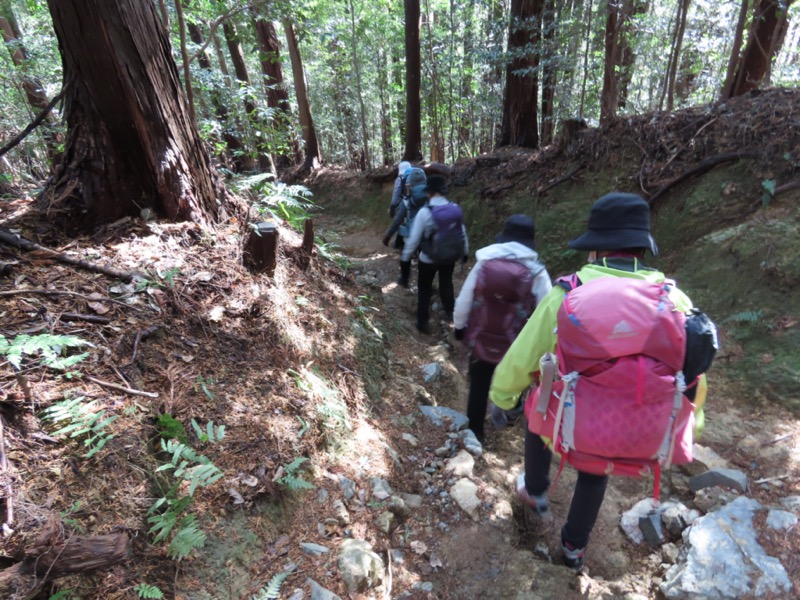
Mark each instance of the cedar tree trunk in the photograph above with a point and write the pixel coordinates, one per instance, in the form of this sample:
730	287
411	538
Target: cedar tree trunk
413	151
131	143
313	154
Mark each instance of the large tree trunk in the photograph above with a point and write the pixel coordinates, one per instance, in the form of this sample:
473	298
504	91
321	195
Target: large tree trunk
520	127
625	53
761	45
675	55
34	91
733	60
130	142
413	151
313	154
365	157
608	97
549	71
277	96
466	106
387	150
588	40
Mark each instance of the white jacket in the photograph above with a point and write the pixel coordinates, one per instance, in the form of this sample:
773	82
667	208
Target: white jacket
529	257
423	226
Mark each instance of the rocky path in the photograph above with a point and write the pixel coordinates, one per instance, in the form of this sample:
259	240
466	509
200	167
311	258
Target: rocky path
479	545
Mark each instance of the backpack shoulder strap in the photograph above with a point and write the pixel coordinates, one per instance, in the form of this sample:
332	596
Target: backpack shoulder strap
569	282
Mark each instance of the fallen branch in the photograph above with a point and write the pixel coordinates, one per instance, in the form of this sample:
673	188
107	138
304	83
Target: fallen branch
121	388
59	292
20	242
79	554
9	490
564	179
33	124
69	316
704	166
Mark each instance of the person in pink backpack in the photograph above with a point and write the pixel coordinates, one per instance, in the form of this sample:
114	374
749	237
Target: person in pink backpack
607	349
496	300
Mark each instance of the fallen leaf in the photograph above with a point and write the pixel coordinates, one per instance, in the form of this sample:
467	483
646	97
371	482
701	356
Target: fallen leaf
216	313
248	479
237	497
436	562
418	547
99	307
187	358
203	276
94	297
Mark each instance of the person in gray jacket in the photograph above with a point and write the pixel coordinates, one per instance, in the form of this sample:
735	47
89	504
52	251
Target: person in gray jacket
489	310
422	236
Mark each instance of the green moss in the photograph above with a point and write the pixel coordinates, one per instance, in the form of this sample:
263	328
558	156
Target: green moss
170	428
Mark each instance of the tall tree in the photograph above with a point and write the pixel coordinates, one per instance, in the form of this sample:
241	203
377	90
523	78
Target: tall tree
588	39
761	46
609	97
131	143
34	91
736	49
675	54
625	53
549	71
365	159
277	96
313	154
521	93
413	150
466	106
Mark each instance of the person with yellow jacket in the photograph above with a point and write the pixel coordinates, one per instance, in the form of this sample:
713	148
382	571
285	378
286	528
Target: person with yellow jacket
617	238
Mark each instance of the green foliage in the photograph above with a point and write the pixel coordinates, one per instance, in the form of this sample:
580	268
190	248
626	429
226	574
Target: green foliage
50	350
291	203
750	316
204	384
768	191
273	589
291	479
166	515
170	428
148	591
80	420
62	595
71	522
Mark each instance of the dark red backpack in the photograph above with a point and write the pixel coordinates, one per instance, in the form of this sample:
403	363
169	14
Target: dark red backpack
502	303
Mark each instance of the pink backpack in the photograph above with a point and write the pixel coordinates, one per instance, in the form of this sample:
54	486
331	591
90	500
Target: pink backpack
617	405
503	302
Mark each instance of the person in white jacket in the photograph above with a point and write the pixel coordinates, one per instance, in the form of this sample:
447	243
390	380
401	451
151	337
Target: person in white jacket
498	307
422	232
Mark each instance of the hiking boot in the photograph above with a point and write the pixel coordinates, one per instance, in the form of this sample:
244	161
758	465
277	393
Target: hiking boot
573	557
539	504
423	327
402	282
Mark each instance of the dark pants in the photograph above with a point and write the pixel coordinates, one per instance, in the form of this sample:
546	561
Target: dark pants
586	498
480	378
425	283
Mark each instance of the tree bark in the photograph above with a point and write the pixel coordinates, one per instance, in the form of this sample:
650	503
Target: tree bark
413	150
588	39
520	127
131	143
549	71
357	69
466	106
625	53
733	61
609	97
313	154
277	96
78	554
387	149
761	45
239	64
34	90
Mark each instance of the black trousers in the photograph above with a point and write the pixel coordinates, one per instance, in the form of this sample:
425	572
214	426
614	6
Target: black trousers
480	379
425	283
586	498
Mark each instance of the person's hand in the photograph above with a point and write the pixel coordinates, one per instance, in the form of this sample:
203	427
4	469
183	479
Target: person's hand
385	240
459	333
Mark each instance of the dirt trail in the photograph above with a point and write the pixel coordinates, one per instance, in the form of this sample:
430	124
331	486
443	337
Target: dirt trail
499	555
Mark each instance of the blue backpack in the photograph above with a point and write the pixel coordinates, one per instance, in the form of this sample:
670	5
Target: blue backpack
417	200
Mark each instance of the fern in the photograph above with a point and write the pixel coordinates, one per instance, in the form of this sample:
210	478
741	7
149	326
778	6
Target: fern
81	420
49	349
291	480
148	591
748	316
188	537
273	589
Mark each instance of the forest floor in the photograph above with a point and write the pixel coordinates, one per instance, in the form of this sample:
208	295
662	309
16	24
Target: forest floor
322	362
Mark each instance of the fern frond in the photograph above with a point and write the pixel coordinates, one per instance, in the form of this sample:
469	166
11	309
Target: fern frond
188	537
148	591
272	590
748	316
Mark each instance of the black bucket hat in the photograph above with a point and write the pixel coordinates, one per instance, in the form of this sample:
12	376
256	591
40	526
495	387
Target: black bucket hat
436	184
518	228
617	222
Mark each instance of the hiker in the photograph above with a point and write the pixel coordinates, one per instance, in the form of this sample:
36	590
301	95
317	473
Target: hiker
599	415
397	191
407	207
498	296
439	232
402	224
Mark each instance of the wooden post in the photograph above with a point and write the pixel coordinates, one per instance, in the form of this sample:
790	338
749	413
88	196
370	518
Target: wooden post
261	251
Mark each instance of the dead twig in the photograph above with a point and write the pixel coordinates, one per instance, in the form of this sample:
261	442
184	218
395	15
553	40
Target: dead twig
63	293
8	488
33	124
564	179
20	242
69	316
121	388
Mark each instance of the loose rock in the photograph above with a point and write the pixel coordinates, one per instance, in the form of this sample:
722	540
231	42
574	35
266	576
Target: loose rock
359	567
461	465
465	493
731	478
